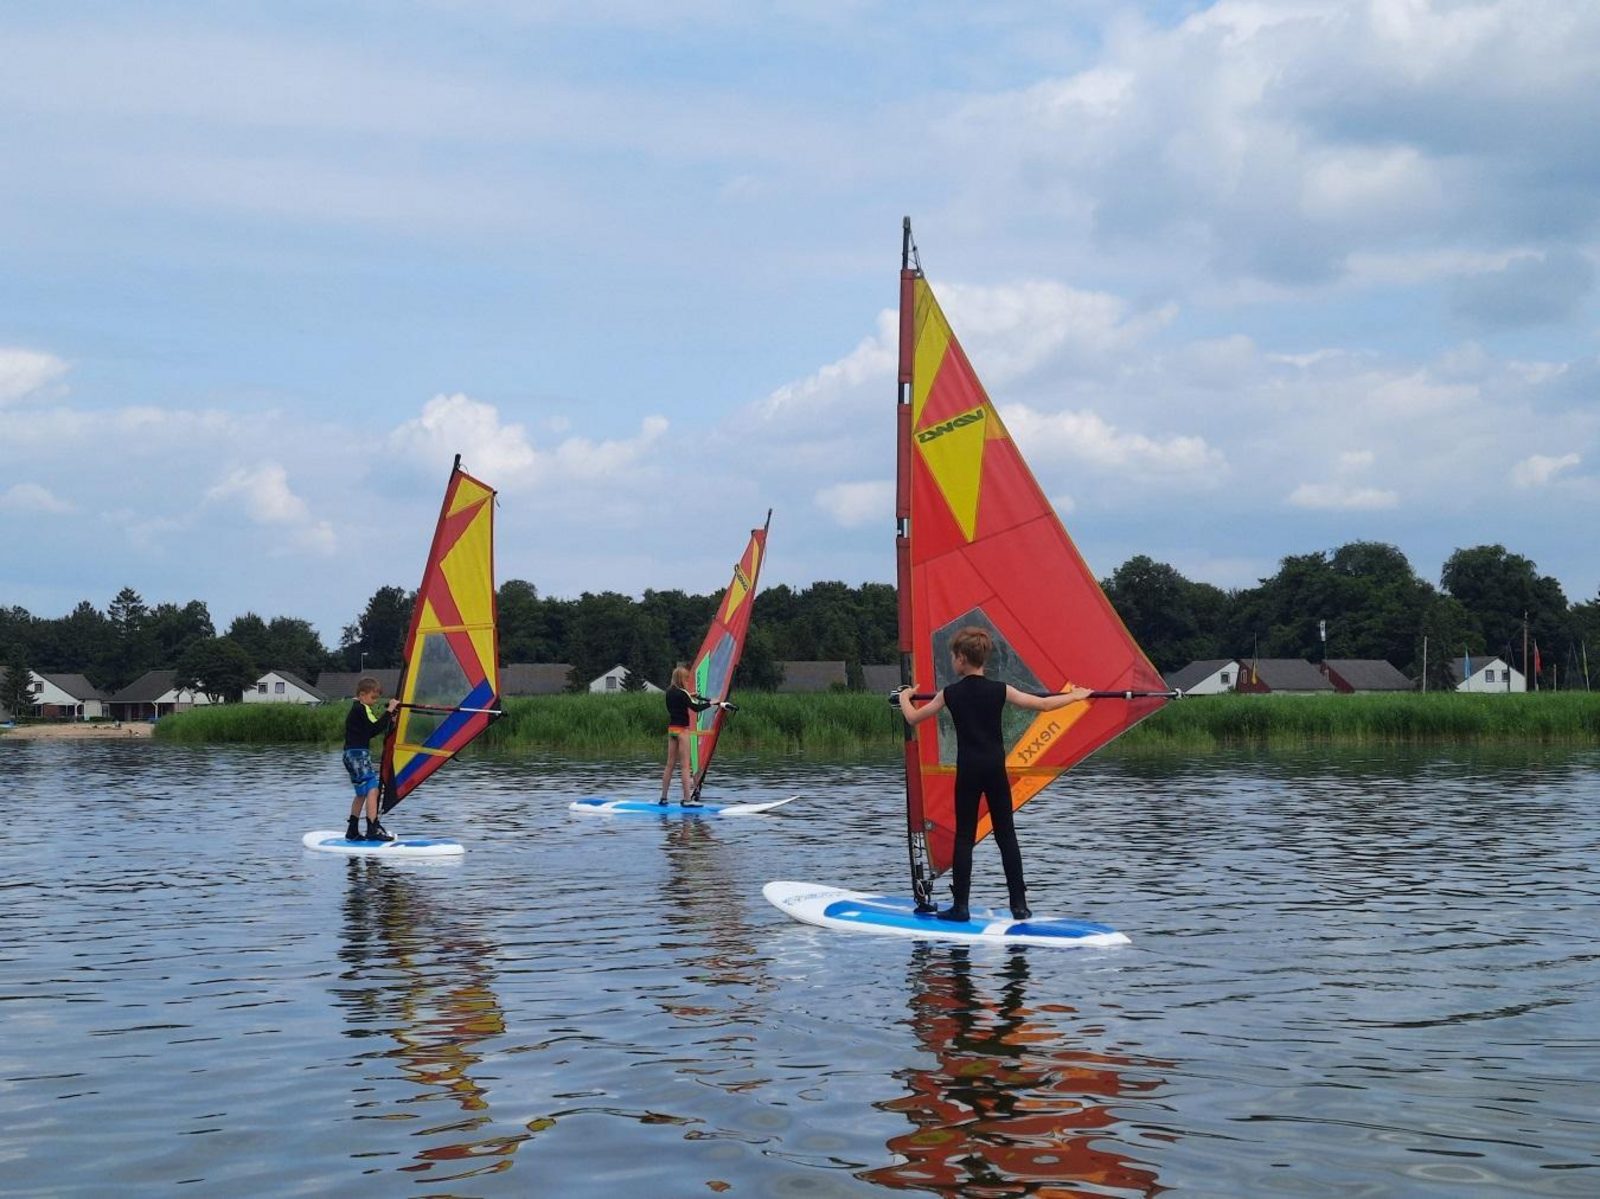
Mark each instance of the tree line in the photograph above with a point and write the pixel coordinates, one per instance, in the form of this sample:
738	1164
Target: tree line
1373	603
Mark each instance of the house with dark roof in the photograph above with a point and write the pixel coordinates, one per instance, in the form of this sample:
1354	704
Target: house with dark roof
1364	674
1488	676
534	678
880	678
153	695
1281	676
341	684
283	687
811	677
1207	676
67	697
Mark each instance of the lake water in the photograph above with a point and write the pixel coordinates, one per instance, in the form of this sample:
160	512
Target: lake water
1352	974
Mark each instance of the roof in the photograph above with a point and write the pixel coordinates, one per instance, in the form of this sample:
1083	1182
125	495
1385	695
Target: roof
812	676
1286	674
147	688
74	685
341	684
1188	676
880	678
289	676
1369	674
534	678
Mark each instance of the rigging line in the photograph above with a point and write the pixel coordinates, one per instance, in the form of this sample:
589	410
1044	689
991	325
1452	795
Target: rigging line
441	708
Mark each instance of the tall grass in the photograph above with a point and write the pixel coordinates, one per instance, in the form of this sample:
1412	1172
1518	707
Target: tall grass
843	723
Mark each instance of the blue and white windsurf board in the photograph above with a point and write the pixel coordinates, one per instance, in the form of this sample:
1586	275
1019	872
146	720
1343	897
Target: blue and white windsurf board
333	841
608	807
895	916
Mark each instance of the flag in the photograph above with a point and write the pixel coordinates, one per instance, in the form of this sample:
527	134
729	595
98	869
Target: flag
1466	670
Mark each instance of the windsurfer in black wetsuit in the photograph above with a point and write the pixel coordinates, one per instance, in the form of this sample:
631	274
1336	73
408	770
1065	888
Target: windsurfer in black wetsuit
680	727
975	704
361	725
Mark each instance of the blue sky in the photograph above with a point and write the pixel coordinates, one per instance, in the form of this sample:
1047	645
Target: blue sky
1246	280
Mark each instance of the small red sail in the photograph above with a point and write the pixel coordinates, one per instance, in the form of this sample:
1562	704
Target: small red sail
449	681
979	544
720	651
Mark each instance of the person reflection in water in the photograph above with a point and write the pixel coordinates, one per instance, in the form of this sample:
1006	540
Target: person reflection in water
1015	1105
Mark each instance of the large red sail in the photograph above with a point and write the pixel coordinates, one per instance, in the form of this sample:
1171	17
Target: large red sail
449	682
979	544
720	651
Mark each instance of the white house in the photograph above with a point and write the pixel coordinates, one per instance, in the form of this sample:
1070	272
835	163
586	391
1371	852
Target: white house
152	695
612	682
1209	676
67	696
281	687
1491	675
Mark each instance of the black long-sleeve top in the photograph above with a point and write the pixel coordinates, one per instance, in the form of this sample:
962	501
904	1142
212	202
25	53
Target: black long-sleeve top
361	725
679	703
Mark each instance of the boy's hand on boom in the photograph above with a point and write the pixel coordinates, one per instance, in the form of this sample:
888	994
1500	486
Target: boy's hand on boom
391	705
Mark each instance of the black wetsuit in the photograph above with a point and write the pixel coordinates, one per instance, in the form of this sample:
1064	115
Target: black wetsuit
975	705
361	726
679	704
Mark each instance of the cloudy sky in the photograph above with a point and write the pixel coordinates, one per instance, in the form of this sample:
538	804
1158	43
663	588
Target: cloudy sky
1246	279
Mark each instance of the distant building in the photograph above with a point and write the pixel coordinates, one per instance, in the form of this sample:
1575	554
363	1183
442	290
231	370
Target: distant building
809	677
67	697
1281	676
1493	676
1365	674
880	678
341	684
534	678
153	695
1209	676
282	687
614	681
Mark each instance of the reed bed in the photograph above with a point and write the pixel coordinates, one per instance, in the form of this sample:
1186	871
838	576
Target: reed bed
836	724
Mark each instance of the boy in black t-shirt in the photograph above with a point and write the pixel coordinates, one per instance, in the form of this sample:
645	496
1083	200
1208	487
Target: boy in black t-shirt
361	725
975	705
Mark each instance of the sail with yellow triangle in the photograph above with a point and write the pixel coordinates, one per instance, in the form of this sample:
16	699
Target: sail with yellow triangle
720	652
978	544
450	679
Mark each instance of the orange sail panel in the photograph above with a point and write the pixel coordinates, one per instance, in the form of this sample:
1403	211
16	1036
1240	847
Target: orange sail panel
450	680
980	545
720	651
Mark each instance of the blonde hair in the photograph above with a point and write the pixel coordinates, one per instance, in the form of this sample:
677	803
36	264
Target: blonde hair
973	645
681	676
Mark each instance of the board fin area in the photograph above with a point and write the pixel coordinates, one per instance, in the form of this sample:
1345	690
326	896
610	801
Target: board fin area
333	841
599	806
896	916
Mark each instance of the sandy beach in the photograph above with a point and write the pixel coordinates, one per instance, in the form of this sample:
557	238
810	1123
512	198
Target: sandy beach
77	729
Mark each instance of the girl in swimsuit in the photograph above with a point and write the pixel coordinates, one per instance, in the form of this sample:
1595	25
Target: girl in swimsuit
680	727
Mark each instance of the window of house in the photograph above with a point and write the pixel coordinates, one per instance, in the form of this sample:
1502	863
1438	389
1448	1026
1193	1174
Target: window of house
261	688
277	688
1488	676
1226	678
611	684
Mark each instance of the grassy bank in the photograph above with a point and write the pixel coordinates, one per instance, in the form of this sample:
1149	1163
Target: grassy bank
838	723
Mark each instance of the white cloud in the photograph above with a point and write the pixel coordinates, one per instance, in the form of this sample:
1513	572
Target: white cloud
1338	497
31	497
263	493
1537	470
854	504
25	372
1352	461
1087	438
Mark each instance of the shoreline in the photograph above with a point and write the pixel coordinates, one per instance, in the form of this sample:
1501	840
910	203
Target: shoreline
77	730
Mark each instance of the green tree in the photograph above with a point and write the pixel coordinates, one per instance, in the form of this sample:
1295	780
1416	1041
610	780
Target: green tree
1175	621
1498	587
759	668
524	627
380	631
16	687
1451	633
134	650
173	629
86	641
218	668
609	629
249	632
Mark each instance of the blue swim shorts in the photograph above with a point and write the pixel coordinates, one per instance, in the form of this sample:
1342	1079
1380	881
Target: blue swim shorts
363	774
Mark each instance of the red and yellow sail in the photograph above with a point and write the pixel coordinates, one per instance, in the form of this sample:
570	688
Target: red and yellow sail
450	679
720	651
979	544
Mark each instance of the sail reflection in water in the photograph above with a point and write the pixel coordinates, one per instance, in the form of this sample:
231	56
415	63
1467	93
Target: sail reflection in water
1016	1103
421	977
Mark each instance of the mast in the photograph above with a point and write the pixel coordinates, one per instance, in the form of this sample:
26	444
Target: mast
916	825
